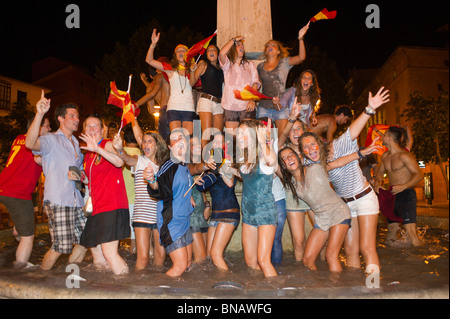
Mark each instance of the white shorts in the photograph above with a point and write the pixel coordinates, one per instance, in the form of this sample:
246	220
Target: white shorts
366	205
205	105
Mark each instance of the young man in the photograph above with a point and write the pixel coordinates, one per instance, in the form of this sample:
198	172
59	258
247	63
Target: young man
17	183
327	123
62	201
404	173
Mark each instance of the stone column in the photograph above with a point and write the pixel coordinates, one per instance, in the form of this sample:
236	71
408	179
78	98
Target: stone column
249	18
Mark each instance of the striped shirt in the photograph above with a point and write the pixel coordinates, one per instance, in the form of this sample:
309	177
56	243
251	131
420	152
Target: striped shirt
348	180
144	207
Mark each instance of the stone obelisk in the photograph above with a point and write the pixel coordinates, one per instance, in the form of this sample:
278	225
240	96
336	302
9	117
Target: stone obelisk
249	18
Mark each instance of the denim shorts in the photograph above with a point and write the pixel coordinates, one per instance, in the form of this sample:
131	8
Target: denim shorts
144	225
273	114
347	221
237	116
182	116
199	230
180	242
215	223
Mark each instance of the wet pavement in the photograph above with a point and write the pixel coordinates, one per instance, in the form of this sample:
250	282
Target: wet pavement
406	272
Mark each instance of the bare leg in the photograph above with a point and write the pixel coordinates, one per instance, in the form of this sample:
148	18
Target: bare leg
111	252
411	232
296	222
218	121
24	250
392	231
335	240
266	235
78	254
50	259
189	126
198	247
222	237
250	245
351	245
316	240
367	238
142	247
159	251
180	261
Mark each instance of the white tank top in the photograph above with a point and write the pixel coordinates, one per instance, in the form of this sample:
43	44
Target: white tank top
180	98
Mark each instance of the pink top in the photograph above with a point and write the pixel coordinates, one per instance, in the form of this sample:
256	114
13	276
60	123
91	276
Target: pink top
236	78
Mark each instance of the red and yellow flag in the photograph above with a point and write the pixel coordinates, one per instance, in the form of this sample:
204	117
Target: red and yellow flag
248	93
323	15
372	133
122	99
198	48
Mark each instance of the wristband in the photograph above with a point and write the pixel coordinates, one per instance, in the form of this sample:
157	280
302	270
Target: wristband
360	155
369	111
154	181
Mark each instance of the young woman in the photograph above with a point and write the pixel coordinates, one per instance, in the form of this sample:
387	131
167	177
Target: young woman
180	107
110	220
209	106
307	93
225	214
238	72
273	73
259	214
296	209
170	186
143	219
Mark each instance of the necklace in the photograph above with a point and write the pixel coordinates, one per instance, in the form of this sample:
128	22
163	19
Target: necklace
185	82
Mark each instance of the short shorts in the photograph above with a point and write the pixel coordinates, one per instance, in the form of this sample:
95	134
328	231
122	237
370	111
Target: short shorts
366	205
237	116
273	114
205	105
180	242
182	116
144	225
406	206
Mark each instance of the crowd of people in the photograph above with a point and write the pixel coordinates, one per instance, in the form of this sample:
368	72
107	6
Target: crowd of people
173	192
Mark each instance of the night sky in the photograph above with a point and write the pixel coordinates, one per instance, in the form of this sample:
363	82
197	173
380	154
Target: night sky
33	30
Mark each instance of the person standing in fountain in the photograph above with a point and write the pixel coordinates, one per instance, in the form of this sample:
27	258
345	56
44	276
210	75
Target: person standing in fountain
17	182
180	107
404	173
110	219
273	73
62	200
168	186
257	165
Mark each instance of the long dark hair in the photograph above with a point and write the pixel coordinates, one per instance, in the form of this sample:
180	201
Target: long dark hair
232	53
162	150
288	181
314	90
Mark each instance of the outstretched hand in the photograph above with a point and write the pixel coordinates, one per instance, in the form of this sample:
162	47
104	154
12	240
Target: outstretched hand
43	105
155	37
117	142
379	99
303	31
91	143
372	147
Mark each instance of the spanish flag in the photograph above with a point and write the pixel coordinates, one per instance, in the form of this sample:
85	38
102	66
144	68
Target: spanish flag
249	93
372	133
198	48
323	15
122	99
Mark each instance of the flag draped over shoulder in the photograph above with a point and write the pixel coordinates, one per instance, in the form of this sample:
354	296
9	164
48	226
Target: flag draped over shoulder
249	93
122	99
372	134
198	48
323	15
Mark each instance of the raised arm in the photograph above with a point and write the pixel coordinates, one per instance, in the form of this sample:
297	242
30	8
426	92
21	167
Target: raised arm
149	58
108	153
130	160
32	140
295	111
374	102
223	53
294	60
197	71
